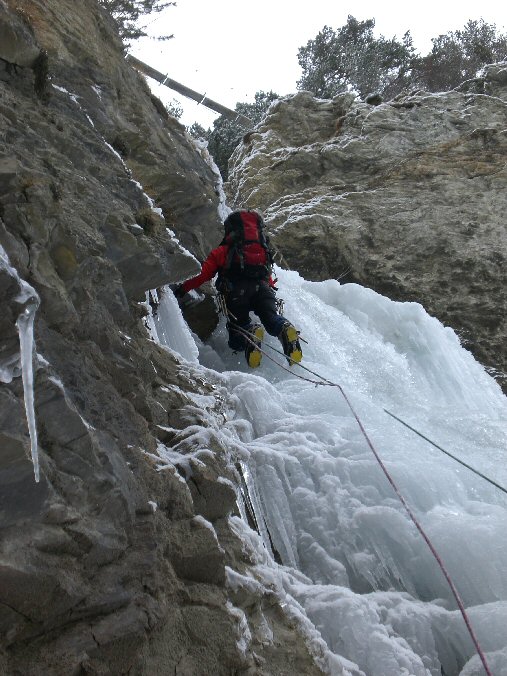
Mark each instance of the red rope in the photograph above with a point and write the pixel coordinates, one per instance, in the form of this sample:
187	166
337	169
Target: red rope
424	535
412	516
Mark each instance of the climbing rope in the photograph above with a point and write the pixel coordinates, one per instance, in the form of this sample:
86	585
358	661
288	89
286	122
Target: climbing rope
325	382
461	462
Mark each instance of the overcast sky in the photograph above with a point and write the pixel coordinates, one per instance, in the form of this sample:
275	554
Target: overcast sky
230	49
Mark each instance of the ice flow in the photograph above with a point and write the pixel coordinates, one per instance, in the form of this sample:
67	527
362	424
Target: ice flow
352	560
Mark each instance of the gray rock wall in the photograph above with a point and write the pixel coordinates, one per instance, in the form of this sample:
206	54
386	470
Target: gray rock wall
104	567
407	197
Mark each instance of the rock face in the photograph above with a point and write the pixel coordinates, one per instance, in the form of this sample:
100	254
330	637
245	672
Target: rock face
111	563
407	197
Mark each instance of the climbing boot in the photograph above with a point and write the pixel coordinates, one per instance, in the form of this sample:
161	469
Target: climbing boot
289	337
253	353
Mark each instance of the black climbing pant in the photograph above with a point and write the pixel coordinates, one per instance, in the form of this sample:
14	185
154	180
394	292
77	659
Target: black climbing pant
251	295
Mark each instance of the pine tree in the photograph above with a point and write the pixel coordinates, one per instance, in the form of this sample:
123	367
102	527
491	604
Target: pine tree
459	55
128	12
226	134
352	59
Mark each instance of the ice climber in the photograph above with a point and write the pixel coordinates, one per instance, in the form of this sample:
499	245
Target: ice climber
243	261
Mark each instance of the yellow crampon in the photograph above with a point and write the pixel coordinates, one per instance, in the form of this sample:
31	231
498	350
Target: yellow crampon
295	354
252	353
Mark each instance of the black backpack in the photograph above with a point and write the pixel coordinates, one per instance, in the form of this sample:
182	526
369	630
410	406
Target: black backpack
249	251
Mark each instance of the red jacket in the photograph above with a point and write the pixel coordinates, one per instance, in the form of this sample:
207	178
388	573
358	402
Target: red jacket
216	260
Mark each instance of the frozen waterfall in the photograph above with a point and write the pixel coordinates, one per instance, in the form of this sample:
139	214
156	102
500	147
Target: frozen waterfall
355	569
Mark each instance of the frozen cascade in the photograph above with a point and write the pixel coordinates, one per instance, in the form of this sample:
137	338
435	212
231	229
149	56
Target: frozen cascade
354	564
29	301
167	326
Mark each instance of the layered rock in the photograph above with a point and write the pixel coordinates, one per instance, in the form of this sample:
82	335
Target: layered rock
111	563
407	197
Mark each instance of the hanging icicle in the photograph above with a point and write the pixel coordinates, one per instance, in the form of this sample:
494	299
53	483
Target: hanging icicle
25	327
29	300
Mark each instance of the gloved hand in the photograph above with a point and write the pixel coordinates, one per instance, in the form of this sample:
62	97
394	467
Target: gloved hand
178	290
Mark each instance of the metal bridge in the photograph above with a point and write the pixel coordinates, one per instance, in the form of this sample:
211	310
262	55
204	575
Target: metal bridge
190	93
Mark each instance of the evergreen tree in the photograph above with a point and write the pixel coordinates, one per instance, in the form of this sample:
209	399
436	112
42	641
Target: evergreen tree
351	58
459	55
226	134
174	108
128	12
197	131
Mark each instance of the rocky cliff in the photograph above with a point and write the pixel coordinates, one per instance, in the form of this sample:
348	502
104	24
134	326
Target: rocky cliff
407	197
115	562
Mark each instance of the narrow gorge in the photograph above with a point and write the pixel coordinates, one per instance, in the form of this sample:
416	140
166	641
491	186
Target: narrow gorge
133	553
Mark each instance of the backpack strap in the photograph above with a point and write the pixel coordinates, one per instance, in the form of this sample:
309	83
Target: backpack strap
234	250
235	238
264	240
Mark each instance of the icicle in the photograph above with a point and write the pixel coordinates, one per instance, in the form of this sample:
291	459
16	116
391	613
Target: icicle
25	327
28	298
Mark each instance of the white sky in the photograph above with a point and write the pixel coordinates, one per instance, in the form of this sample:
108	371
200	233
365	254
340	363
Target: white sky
229	49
